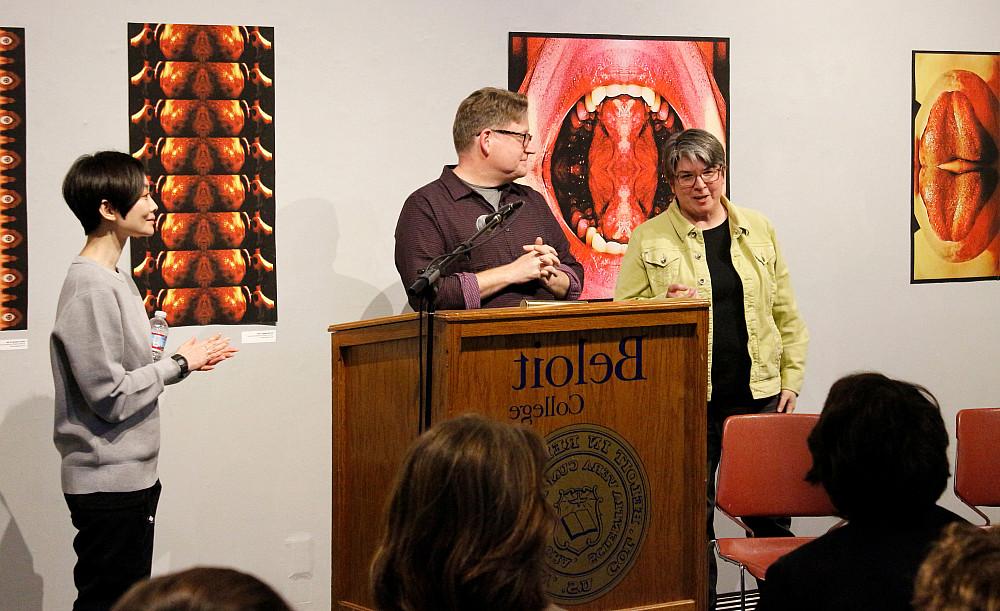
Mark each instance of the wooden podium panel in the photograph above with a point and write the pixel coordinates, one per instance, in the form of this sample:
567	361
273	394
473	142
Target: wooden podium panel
375	399
618	390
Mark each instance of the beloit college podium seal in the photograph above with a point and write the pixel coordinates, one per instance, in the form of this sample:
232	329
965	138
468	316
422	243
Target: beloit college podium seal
598	487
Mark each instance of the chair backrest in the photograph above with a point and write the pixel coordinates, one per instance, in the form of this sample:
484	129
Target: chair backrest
763	466
977	457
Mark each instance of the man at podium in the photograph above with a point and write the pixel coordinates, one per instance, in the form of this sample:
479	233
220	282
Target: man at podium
526	256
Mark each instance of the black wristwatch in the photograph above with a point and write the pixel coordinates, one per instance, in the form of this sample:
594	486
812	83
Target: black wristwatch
183	362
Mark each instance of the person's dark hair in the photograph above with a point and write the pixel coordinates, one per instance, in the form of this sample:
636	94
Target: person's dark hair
467	522
961	572
202	589
879	443
117	178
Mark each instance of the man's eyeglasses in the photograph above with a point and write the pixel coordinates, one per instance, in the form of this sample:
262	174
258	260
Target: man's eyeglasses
524	136
687	179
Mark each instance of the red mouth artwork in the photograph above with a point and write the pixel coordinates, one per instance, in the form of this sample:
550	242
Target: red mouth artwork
957	158
600	108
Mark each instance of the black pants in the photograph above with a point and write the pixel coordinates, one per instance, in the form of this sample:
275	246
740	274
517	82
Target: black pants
762	527
113	545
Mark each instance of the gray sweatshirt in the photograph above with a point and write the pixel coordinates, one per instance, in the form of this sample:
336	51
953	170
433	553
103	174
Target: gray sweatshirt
107	425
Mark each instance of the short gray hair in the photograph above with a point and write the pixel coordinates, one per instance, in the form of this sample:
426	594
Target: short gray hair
691	144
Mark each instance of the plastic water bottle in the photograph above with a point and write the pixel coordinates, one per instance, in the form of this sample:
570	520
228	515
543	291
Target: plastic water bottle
158	330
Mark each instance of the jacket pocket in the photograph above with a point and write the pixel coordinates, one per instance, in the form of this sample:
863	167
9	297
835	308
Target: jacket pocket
765	257
662	267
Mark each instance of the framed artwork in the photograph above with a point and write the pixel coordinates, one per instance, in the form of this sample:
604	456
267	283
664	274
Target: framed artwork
955	215
201	100
13	189
599	108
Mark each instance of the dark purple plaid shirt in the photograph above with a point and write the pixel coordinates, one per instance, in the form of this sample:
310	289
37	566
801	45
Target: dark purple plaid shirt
441	215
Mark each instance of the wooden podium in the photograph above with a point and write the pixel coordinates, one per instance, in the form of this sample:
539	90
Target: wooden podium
618	390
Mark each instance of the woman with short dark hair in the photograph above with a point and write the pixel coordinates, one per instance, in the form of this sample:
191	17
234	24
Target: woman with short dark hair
107	386
880	451
879	443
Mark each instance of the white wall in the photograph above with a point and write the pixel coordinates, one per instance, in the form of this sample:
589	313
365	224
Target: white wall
365	95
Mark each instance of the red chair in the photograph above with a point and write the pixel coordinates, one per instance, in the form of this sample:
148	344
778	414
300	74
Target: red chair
762	474
977	459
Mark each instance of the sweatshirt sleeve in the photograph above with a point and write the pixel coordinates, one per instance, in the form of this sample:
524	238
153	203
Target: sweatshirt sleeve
91	331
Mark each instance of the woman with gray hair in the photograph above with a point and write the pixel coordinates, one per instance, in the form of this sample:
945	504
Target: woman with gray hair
703	246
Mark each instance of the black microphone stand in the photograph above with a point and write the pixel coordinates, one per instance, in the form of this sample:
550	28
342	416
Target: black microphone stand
425	287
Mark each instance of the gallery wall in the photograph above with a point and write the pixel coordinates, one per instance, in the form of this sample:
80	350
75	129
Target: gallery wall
365	94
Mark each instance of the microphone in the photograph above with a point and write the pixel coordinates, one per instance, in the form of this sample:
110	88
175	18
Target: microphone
500	215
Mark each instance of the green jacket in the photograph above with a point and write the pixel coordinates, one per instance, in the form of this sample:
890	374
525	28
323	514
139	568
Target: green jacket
667	249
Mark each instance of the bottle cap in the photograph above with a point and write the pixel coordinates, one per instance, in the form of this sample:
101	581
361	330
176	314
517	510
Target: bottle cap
160	314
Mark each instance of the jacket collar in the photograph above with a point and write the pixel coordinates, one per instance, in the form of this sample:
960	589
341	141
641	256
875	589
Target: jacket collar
683	226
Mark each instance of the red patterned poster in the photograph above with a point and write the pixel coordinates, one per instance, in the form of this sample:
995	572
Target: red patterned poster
600	107
13	198
201	99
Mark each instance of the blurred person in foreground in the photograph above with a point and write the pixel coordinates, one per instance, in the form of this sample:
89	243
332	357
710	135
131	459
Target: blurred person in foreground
880	451
202	589
962	572
467	522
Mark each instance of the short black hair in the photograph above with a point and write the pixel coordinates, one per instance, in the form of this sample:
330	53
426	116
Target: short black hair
879	443
111	176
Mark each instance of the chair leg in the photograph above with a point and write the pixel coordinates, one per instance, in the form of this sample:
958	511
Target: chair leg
743	589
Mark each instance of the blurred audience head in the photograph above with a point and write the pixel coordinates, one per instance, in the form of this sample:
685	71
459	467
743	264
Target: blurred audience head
202	589
962	572
467	522
879	444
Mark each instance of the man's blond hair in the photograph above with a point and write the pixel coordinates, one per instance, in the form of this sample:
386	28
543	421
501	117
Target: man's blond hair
486	108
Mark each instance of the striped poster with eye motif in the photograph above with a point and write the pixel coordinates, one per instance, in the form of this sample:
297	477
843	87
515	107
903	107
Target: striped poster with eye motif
201	103
13	198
